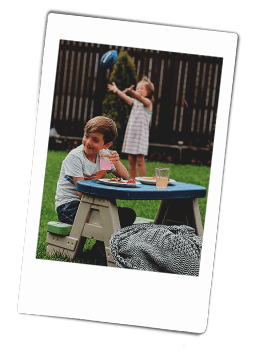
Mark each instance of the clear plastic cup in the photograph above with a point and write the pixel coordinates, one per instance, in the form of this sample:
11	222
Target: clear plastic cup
105	163
162	177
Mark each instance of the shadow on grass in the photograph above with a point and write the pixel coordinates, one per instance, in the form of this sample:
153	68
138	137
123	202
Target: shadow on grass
86	256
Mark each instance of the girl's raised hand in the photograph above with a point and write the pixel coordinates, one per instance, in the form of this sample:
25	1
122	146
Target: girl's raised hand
129	90
112	87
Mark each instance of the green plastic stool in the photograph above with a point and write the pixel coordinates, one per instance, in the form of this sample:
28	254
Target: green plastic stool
59	228
139	220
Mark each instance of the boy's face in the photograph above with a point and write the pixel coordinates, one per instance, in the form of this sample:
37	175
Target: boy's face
93	142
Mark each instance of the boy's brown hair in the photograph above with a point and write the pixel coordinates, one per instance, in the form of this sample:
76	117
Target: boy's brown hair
103	125
150	88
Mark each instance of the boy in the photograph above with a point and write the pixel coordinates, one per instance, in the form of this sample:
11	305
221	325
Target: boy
83	163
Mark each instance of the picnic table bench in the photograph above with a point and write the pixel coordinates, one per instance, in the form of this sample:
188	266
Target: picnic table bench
97	215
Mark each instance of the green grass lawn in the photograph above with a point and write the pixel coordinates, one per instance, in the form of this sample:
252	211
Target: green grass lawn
184	173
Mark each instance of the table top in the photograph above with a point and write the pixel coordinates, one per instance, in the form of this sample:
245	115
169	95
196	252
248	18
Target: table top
143	192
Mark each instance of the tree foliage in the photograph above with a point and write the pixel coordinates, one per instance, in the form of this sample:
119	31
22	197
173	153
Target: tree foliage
124	75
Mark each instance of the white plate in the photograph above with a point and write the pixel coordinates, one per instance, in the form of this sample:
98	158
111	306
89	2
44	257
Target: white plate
114	183
146	180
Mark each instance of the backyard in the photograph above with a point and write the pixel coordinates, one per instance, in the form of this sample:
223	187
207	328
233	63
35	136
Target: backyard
184	173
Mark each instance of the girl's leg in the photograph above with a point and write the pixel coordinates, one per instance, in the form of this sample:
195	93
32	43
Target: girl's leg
132	166
140	159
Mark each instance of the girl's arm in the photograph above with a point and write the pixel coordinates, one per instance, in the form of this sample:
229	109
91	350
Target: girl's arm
136	95
121	94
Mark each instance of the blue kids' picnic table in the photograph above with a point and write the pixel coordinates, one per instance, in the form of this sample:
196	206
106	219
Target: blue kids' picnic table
97	215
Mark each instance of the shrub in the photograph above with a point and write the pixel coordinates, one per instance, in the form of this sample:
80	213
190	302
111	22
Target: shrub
124	75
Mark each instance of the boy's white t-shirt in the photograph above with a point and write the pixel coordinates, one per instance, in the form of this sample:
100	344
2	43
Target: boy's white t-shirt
74	165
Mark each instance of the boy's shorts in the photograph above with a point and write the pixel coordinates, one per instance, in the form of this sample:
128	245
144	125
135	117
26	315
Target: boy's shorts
67	213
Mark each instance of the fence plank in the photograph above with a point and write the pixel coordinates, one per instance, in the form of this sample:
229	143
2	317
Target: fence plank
81	87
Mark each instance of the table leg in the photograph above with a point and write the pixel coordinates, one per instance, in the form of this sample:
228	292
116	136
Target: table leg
180	211
109	219
101	223
96	218
63	244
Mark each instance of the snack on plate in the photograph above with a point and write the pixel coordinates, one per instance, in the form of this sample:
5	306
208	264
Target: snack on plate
131	181
116	180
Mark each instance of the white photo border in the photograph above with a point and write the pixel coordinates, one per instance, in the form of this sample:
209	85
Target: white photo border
113	295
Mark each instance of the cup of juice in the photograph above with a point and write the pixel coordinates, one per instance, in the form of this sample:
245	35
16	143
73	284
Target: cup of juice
105	163
162	177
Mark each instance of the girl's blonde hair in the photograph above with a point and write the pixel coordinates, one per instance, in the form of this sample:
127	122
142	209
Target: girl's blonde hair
150	88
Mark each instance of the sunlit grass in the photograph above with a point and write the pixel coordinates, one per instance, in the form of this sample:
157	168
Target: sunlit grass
184	173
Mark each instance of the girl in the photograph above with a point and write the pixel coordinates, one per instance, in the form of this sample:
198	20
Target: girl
136	138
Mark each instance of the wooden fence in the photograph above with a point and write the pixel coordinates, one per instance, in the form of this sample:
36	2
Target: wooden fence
186	91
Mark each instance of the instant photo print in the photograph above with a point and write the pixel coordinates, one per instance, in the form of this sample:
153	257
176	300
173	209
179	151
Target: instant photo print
192	72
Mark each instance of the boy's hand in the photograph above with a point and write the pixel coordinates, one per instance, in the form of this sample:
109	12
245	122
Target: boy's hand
114	157
89	177
121	170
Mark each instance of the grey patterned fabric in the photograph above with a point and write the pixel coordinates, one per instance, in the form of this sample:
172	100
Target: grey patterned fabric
161	248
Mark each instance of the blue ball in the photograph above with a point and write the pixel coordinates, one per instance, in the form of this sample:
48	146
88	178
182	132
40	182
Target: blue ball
109	59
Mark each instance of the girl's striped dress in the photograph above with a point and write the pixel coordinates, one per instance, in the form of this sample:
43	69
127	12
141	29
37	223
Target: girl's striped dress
136	138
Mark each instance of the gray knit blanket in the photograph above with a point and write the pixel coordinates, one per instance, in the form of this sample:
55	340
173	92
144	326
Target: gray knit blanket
160	248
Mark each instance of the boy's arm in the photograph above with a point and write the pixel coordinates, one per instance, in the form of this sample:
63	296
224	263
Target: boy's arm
86	177
138	96
75	181
121	170
121	94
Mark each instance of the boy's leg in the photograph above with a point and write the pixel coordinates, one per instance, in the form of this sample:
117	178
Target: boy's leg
140	160
67	212
126	216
